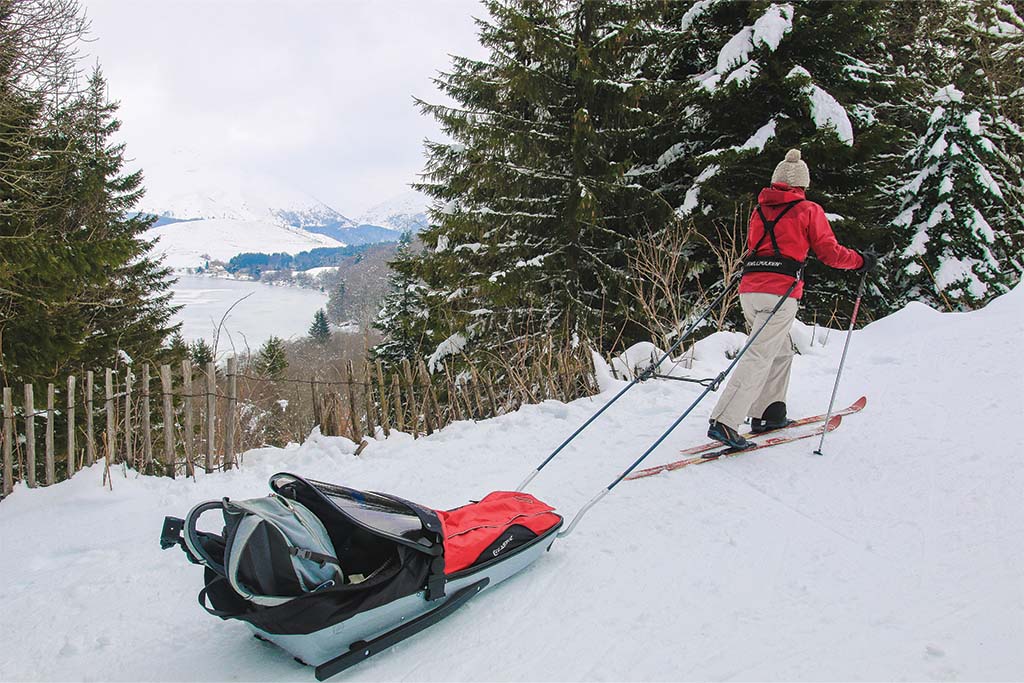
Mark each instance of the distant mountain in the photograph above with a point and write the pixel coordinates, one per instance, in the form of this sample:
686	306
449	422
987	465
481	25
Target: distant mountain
404	212
228	215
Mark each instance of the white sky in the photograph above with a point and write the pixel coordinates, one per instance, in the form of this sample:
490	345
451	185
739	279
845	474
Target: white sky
314	94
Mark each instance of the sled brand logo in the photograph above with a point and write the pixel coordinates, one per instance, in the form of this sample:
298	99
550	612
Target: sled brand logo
501	547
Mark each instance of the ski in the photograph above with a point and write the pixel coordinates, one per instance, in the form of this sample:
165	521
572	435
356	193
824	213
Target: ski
833	422
854	407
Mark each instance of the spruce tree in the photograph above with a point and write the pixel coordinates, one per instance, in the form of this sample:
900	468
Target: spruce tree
533	212
402	314
958	233
271	360
77	280
320	330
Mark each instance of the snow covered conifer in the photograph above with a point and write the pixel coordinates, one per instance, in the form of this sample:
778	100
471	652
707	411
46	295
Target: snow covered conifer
402	315
533	211
956	223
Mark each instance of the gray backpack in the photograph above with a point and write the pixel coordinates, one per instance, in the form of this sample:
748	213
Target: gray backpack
275	549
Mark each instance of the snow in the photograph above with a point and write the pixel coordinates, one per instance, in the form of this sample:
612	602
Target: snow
692	194
773	25
449	347
987	181
744	74
895	556
948	94
695	12
759	139
953	269
191	244
825	109
403	212
737	51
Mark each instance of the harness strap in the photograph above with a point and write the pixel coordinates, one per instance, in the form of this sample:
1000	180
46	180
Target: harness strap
769	227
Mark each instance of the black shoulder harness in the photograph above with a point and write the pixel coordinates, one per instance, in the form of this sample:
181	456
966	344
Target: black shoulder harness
776	263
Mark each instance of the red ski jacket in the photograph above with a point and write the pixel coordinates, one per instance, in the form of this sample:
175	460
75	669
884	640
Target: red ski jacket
803	228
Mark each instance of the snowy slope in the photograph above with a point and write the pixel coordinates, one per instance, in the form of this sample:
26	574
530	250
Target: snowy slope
403	212
188	244
896	556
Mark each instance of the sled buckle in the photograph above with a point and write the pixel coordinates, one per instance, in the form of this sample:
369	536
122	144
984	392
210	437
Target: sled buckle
170	536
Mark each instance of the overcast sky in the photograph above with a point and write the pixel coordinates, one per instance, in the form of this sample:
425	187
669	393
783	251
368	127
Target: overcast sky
317	94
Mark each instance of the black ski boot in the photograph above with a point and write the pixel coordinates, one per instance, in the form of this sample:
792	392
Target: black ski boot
728	436
774	417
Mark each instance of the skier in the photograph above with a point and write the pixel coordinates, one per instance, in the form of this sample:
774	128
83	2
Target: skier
783	227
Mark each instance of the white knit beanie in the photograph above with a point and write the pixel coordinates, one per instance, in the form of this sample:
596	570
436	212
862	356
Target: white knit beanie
792	171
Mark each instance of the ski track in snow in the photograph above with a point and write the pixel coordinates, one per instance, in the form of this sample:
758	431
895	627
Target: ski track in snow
894	556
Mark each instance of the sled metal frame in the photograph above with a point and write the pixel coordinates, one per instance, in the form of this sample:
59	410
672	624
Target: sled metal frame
362	650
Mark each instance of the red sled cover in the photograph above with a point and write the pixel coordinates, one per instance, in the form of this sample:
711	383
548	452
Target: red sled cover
478	528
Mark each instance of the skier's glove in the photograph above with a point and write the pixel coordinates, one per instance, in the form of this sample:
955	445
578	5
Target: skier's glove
870	260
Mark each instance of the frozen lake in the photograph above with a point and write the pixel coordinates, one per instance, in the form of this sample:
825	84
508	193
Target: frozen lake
268	310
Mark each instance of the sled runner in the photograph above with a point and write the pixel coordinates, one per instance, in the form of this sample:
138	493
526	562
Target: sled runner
334	575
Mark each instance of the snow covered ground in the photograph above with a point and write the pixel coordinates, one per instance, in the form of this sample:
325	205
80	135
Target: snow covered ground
270	310
896	556
191	244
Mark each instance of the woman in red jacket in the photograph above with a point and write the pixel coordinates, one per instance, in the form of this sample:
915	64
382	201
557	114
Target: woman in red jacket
783	228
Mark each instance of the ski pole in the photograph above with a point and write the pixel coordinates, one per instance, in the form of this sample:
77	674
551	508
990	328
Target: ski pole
846	347
711	387
644	375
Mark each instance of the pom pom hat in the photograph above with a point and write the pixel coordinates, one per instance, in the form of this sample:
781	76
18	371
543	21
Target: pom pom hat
792	171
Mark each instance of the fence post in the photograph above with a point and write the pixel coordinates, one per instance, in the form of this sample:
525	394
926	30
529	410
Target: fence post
410	398
371	422
168	397
50	470
229	430
396	397
8	442
129	433
147	434
211	413
71	425
186	374
90	441
111	429
30	437
353	414
429	400
385	420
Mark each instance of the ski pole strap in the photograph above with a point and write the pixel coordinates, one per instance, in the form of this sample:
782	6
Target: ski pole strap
776	262
709	389
683	337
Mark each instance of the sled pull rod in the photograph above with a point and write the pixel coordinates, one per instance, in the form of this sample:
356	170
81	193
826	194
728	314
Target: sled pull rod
711	387
644	375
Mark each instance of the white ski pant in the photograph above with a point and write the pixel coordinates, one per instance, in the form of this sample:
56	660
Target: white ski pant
762	375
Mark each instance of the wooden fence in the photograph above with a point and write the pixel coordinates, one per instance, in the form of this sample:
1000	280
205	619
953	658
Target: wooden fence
177	419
